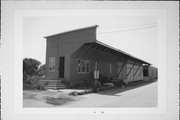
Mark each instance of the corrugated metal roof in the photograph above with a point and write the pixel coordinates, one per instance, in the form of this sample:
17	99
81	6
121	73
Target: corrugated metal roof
117	50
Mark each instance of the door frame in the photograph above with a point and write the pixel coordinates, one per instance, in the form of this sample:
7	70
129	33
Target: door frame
61	75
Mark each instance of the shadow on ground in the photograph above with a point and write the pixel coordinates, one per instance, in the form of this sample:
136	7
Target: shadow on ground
130	86
58	101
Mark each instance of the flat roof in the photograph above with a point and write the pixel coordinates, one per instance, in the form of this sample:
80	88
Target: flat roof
117	50
71	31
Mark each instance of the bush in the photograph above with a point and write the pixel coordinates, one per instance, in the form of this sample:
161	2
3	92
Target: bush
81	84
33	83
119	83
102	80
73	93
66	83
109	84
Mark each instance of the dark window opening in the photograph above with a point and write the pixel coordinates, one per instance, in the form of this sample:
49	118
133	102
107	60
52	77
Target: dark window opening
145	73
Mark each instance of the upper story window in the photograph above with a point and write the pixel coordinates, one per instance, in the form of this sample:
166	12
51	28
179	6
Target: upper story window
52	64
82	66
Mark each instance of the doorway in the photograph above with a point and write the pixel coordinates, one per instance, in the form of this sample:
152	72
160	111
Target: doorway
61	66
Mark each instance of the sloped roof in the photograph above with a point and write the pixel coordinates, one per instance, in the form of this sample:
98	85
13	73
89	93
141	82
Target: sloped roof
120	52
117	51
71	31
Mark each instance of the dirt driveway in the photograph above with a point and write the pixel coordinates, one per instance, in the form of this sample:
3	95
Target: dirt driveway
47	98
118	97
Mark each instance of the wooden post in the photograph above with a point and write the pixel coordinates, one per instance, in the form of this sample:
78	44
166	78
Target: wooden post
121	70
96	76
130	70
140	73
137	69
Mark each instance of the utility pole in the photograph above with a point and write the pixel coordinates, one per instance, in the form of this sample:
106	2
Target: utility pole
96	76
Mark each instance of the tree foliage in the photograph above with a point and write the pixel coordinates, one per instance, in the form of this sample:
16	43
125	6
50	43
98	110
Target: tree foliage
42	70
33	71
30	67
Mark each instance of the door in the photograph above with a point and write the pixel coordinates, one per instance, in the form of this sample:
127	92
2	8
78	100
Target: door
61	67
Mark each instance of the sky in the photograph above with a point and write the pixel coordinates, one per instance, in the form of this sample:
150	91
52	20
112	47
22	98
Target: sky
136	35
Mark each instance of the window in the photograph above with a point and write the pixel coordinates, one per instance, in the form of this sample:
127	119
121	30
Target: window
145	73
82	66
52	64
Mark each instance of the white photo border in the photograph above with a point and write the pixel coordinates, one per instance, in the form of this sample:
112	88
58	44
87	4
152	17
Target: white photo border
18	98
12	13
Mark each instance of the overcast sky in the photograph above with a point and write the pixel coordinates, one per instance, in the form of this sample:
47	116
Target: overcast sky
136	35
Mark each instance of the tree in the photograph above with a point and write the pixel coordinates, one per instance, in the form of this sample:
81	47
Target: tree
30	67
42	70
32	73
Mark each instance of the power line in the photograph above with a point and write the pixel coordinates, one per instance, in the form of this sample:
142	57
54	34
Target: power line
124	30
132	25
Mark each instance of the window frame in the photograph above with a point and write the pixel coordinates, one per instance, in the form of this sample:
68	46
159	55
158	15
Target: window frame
79	68
52	64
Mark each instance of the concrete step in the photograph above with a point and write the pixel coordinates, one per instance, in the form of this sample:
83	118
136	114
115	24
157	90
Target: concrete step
53	84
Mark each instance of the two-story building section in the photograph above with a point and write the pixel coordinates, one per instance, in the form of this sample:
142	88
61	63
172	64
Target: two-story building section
72	57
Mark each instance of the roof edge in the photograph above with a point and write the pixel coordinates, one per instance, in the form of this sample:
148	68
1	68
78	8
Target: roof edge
72	31
118	50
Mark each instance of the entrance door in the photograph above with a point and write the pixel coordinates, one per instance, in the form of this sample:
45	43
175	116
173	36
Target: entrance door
61	67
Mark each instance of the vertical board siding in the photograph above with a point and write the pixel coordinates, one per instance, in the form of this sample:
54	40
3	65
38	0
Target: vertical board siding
65	45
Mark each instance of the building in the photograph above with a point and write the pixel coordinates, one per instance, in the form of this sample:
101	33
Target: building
73	56
150	73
